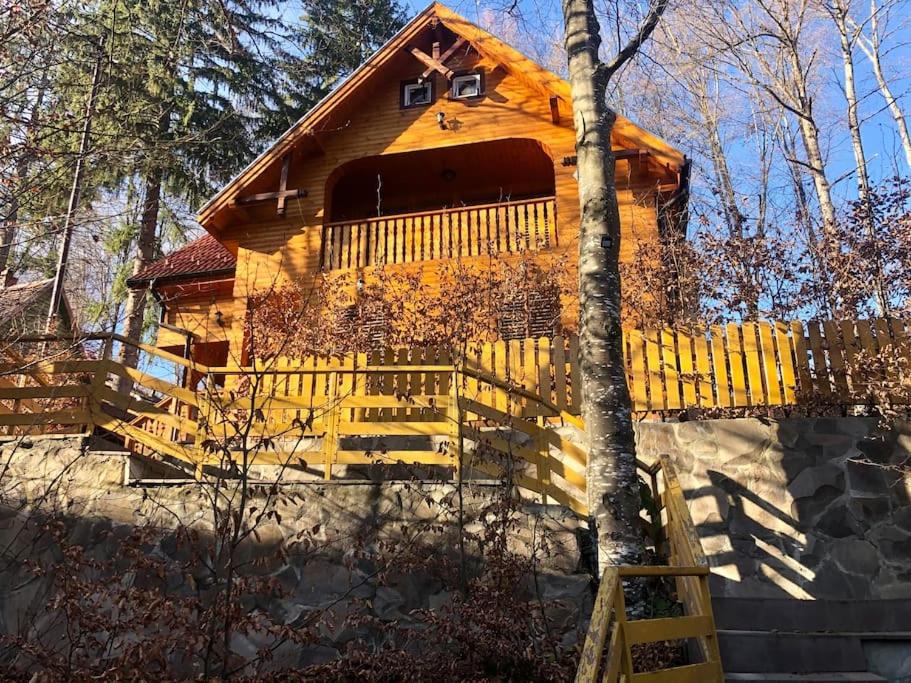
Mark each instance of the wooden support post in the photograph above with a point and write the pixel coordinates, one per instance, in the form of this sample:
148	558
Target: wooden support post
442	59
330	440
626	666
431	63
710	647
17	403
543	448
99	379
281	196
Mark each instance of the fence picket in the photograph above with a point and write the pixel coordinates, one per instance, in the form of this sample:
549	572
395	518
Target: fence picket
703	369
638	390
545	387
753	360
720	368
687	371
669	365
786	358
653	365
770	364
735	358
836	359
559	356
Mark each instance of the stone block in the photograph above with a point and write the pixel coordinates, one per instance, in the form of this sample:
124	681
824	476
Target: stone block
866	479
807	510
810	480
387	603
855	556
838	522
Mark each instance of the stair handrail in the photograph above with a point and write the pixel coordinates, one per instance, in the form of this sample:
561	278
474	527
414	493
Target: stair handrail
689	567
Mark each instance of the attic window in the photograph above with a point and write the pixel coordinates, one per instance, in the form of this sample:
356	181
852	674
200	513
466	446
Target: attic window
467	86
417	94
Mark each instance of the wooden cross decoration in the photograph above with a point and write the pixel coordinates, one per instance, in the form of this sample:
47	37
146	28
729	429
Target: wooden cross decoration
437	61
283	193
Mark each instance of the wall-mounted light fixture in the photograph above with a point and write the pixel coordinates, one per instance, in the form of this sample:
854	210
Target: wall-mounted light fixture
441	119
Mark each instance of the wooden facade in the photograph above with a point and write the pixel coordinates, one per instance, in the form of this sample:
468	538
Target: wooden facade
363	181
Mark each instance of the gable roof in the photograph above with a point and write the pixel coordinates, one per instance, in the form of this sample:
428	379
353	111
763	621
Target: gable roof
203	257
522	67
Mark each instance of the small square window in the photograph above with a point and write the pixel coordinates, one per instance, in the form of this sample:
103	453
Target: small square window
417	94
467	86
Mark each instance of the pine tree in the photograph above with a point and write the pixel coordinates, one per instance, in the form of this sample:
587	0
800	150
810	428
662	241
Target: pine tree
185	87
333	39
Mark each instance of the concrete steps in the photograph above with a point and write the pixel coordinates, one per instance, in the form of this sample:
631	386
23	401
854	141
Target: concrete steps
795	640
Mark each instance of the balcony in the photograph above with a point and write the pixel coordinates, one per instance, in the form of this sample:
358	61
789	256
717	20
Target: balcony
464	231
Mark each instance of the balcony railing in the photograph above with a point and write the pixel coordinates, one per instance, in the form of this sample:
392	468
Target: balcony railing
448	233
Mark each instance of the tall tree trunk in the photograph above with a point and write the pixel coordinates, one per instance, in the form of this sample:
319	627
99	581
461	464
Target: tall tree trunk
871	49
613	487
732	215
839	13
788	144
134	311
828	248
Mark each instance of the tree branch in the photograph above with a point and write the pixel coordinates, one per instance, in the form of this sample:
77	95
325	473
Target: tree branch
656	9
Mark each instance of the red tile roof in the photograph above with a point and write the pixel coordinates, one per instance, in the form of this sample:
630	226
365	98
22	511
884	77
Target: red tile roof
204	257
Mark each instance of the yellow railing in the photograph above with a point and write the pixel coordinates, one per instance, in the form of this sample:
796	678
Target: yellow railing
447	233
456	417
611	659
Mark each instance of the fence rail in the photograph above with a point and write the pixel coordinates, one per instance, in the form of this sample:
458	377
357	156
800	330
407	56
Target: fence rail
448	233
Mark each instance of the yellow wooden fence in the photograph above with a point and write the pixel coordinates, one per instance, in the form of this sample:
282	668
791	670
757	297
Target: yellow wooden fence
749	365
313	414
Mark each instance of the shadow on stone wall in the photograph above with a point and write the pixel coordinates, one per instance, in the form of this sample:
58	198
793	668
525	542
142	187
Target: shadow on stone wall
806	508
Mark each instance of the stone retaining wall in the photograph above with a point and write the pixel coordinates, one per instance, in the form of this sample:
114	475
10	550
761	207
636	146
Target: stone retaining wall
807	508
322	547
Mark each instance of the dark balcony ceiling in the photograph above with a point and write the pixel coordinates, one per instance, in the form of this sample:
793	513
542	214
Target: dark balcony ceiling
479	173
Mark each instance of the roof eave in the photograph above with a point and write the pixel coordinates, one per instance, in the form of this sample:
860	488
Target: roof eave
223	273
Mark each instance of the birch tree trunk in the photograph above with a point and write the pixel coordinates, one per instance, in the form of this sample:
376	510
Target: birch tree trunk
871	50
613	485
839	14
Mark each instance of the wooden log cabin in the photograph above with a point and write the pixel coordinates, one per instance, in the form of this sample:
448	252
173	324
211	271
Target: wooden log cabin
447	143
